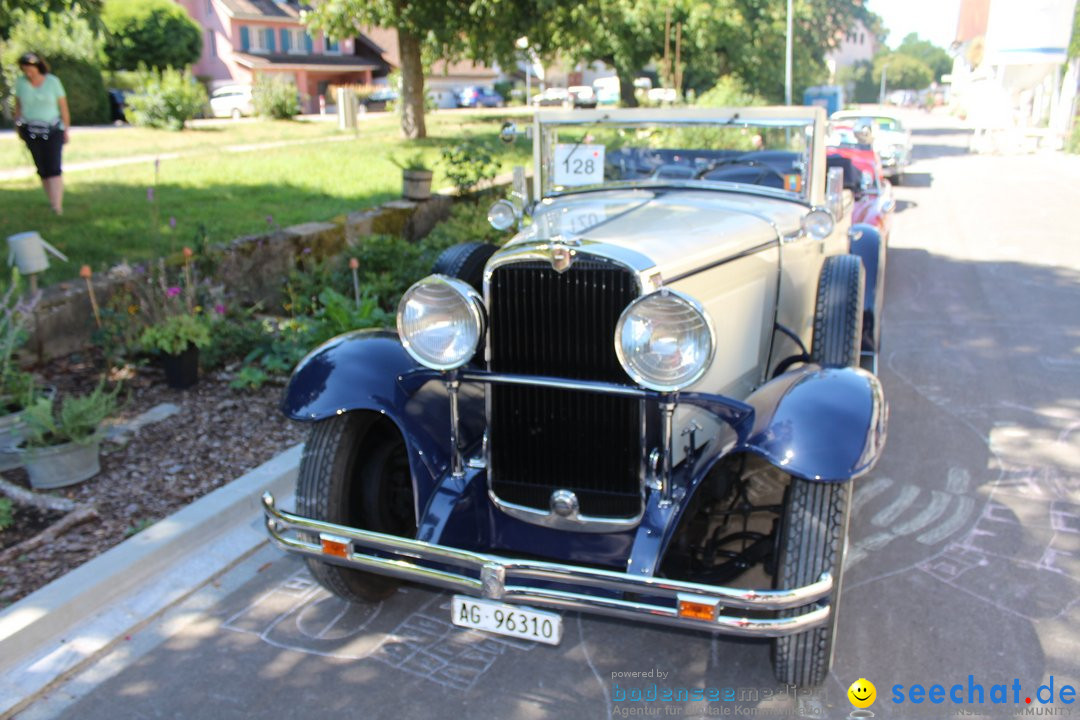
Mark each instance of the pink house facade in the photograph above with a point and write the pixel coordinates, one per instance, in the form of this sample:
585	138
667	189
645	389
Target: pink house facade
243	39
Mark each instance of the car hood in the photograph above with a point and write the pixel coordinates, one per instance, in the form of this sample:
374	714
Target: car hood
888	138
676	230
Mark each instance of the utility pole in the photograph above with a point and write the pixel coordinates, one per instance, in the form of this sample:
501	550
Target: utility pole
787	58
881	93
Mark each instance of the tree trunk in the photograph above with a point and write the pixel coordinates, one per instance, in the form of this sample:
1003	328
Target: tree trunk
626	87
412	86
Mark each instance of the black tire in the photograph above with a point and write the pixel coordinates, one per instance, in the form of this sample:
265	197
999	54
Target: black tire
812	542
814	528
465	262
838	315
355	472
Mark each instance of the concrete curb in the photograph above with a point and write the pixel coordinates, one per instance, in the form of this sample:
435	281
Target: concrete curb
53	631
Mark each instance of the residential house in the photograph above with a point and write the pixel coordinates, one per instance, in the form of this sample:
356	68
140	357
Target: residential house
248	38
857	45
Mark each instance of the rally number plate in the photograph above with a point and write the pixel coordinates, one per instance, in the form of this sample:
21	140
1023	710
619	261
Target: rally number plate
504	619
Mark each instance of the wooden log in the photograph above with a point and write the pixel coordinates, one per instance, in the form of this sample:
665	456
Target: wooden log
42	502
49	534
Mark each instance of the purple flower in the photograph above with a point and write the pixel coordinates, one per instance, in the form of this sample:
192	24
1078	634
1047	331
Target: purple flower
219	309
269	219
149	194
172	292
172	222
157	164
307	251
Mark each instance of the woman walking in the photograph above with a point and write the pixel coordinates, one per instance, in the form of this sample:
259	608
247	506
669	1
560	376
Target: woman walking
41	114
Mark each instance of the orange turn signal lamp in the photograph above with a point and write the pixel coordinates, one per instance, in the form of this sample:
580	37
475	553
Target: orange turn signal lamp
335	546
696	608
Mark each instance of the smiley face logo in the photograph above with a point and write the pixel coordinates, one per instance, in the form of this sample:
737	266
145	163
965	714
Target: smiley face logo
862	693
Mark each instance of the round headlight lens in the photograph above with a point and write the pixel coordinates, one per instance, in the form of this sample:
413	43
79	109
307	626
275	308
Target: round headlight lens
819	223
440	321
664	341
502	215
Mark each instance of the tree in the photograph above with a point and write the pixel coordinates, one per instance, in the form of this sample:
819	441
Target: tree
12	10
482	30
903	72
73	50
858	81
156	33
934	57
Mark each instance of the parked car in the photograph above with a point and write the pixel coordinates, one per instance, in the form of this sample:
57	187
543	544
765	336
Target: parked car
232	101
552	96
582	96
118	105
873	201
475	96
648	403
892	141
378	100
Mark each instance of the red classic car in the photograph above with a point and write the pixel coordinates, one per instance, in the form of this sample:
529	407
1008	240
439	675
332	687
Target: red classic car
873	195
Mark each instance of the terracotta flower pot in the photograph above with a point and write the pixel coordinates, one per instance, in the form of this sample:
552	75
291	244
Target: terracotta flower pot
416	185
181	371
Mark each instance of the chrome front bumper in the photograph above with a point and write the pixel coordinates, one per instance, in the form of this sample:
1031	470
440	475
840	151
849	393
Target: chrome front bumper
515	581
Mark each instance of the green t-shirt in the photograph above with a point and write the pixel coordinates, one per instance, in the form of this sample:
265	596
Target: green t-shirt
40	103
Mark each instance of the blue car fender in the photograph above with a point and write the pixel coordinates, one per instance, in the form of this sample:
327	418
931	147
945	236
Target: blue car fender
369	370
820	424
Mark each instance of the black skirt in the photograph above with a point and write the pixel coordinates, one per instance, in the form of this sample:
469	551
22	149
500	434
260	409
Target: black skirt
46	147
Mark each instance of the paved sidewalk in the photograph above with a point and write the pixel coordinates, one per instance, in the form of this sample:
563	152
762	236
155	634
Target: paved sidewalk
70	623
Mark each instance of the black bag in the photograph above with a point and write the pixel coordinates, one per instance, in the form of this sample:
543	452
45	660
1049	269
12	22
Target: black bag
35	129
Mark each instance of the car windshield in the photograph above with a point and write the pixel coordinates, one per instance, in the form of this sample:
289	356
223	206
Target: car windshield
593	150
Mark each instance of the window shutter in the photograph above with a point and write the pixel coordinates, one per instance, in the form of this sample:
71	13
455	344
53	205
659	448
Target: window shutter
285	46
309	43
245	38
270	44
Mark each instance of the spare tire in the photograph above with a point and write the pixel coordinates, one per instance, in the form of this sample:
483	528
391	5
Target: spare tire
465	262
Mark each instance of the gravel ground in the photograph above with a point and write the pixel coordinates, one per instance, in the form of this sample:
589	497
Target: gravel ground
218	435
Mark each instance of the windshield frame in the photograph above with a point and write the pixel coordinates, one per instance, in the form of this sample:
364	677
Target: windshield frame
811	118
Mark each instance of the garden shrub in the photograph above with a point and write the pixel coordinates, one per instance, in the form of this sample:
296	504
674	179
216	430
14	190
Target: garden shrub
166	99
86	95
468	163
275	97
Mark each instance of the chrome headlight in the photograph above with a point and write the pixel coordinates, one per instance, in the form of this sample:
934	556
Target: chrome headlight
664	340
440	321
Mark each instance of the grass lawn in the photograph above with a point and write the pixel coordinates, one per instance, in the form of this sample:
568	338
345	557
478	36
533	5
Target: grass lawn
108	217
96	144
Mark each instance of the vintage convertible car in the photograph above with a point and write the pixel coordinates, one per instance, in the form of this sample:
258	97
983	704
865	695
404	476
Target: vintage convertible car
891	139
874	203
649	404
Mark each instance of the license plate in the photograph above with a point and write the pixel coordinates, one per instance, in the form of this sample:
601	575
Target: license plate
504	619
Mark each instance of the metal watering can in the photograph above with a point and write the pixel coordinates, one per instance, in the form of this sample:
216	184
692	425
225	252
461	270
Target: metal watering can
27	250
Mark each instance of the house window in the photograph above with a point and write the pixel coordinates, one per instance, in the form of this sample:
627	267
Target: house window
209	8
332	46
211	42
862	38
262	40
293	41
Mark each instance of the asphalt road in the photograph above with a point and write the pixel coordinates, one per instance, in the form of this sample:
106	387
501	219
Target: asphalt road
965	541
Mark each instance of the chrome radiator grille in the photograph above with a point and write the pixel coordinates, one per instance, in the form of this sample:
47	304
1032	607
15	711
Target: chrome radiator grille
563	325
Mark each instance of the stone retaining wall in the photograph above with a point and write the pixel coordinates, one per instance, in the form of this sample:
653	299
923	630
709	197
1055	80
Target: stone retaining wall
251	267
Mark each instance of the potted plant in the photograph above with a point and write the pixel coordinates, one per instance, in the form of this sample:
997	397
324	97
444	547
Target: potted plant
61	446
17	387
416	177
177	340
175	326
